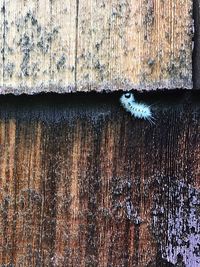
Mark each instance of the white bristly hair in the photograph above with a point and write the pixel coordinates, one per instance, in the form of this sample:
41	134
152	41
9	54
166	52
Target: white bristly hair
138	110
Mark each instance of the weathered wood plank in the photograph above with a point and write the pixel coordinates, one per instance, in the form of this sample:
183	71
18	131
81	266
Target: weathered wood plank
141	44
196	54
2	40
65	46
88	185
39	45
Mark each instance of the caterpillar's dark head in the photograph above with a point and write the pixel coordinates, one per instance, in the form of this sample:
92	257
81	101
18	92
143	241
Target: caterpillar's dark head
127	98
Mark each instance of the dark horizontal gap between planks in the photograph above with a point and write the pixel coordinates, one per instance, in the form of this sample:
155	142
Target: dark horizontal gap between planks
56	107
163	97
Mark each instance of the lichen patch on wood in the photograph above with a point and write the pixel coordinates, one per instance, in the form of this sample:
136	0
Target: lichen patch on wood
65	46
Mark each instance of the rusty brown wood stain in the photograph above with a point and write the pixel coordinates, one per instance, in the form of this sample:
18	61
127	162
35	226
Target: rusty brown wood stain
82	183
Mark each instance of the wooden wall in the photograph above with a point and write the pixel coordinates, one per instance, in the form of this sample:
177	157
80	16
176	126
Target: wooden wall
82	183
64	46
196	41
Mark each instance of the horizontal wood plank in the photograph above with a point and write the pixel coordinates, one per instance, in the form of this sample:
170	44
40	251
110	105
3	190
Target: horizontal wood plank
64	46
85	184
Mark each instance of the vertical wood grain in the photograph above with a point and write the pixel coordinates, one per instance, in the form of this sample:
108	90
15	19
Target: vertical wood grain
64	46
138	43
88	185
38	42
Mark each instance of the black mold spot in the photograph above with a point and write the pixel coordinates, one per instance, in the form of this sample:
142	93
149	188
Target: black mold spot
9	69
149	17
26	47
61	63
151	62
3	10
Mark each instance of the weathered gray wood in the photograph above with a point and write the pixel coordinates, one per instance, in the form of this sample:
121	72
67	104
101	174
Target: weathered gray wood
82	183
64	46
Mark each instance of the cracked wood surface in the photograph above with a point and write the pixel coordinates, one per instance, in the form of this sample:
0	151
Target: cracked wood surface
88	185
64	46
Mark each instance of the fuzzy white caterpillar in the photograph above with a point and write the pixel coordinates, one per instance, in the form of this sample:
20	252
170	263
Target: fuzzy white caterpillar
138	110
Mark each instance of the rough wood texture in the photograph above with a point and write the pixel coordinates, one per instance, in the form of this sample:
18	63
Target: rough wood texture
88	185
95	45
196	54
